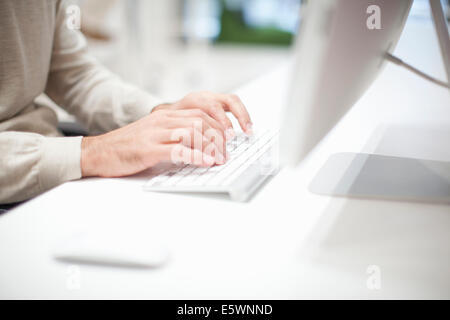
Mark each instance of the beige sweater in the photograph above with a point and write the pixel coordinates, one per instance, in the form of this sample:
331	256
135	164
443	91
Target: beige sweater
40	54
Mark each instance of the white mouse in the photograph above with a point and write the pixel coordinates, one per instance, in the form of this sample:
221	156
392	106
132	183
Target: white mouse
113	249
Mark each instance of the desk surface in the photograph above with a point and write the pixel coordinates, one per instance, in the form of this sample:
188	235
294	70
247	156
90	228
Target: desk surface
285	243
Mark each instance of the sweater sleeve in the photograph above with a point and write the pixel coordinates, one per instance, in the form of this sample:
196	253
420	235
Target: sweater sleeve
31	164
79	84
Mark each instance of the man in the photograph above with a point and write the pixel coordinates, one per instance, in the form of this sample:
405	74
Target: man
40	54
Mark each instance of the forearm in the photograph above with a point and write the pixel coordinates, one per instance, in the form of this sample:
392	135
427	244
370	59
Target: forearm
100	100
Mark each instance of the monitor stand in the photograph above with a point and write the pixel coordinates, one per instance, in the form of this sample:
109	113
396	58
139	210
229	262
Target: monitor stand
383	176
399	162
441	28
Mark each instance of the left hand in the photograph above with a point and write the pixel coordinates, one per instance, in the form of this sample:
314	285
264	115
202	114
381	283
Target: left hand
215	105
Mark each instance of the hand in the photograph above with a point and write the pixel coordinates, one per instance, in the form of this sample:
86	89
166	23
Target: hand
186	135
215	105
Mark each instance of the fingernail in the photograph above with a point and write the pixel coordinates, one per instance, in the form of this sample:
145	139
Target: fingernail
229	134
220	159
249	128
209	160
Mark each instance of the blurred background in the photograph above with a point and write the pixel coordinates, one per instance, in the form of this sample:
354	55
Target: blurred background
172	47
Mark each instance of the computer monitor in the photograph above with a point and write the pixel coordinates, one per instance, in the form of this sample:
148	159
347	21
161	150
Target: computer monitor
340	48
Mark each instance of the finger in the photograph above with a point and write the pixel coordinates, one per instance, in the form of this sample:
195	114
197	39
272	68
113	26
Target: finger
179	153
217	146
216	111
234	104
210	142
213	143
197	118
200	125
198	113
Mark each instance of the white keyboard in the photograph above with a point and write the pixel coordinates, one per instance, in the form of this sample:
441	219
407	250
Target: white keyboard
252	160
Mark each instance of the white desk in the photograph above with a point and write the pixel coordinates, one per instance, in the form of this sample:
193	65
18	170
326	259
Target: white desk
284	243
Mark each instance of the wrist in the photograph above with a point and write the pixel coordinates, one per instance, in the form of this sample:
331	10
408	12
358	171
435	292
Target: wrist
90	156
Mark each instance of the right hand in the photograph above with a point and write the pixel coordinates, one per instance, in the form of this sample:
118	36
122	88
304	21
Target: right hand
189	136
